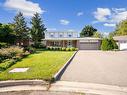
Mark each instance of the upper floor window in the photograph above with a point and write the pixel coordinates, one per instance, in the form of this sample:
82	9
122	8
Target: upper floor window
69	35
61	35
52	35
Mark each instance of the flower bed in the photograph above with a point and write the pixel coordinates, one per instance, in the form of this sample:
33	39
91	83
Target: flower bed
62	48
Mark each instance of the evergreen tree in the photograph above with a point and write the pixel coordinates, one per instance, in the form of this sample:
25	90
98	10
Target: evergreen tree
38	28
20	27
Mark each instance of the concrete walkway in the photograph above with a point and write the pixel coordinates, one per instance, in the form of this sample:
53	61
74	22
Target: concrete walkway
109	68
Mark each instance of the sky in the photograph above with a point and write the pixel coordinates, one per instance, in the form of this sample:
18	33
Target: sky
68	15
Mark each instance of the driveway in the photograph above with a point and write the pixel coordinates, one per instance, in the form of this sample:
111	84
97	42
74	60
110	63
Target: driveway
101	67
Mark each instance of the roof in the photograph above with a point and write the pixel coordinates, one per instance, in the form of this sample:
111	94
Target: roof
61	32
85	38
120	38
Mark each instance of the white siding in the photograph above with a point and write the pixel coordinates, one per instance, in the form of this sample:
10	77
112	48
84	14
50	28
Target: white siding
123	45
61	34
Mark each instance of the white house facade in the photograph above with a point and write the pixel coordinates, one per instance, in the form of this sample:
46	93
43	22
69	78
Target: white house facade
121	42
71	39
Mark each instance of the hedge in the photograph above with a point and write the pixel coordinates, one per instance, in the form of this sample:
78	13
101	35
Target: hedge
61	48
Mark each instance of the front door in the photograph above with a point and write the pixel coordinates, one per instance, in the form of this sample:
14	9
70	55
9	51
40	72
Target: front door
69	43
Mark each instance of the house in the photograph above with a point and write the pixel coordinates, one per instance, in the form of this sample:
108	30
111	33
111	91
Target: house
121	42
71	39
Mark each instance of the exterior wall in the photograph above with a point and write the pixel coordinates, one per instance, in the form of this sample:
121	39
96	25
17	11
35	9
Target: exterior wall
61	34
122	45
61	43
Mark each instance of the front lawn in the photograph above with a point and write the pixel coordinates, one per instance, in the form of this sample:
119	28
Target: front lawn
42	65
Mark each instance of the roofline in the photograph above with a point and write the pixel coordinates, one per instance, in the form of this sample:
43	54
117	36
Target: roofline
61	31
86	38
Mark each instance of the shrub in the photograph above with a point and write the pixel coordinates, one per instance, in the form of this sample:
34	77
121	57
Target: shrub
8	63
3	45
63	48
51	48
104	45
38	45
30	49
72	49
8	53
67	49
60	48
48	48
115	46
54	48
76	49
108	44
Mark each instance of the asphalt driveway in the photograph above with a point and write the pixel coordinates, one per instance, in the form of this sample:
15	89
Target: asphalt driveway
108	68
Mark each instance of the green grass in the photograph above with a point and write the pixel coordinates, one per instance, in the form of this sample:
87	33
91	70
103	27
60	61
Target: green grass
43	65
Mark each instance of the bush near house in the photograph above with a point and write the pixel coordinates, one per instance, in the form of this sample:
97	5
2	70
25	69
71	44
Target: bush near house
108	44
61	48
10	55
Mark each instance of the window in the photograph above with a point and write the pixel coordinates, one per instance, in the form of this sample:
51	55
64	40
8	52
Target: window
61	35
69	35
51	35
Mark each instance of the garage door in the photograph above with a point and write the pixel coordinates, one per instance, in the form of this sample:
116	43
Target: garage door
89	46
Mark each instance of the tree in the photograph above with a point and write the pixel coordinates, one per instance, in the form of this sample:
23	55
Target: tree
38	28
113	42
108	44
20	28
88	31
104	45
7	34
97	35
121	29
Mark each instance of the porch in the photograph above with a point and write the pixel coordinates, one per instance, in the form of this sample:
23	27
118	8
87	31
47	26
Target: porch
62	43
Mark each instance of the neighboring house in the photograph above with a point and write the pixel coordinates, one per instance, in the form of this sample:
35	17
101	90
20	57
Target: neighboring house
71	39
121	42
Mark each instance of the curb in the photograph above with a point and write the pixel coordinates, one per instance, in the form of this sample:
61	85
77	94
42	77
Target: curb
22	82
21	85
58	75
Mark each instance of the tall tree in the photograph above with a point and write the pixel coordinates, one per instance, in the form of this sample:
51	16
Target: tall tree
88	31
98	35
7	34
38	28
20	27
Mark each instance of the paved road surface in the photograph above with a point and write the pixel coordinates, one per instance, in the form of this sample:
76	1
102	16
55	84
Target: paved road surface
108	68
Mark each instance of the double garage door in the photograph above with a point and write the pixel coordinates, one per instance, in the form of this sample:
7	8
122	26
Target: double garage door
89	45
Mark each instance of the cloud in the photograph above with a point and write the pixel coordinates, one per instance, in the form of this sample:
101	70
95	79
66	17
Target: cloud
101	14
117	10
109	24
51	29
71	30
117	17
64	22
80	13
28	8
110	17
105	34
